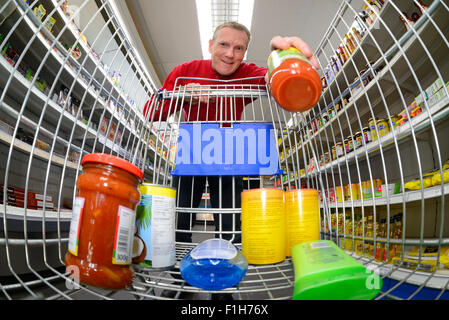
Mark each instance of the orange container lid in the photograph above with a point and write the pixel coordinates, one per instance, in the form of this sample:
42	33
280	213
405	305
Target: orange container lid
104	158
297	86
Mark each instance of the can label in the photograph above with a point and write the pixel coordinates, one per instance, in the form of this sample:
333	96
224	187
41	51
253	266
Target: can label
383	128
367	136
358	141
156	226
339	150
278	56
263	226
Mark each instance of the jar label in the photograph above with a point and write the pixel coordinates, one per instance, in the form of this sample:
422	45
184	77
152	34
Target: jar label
278	56
124	236
75	224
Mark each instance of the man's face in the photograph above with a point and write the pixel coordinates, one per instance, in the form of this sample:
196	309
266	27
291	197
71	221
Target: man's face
227	50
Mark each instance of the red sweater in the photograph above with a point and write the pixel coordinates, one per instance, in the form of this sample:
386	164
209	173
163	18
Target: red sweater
203	69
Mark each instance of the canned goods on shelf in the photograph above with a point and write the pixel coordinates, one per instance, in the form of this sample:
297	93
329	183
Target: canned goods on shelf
340	193
334	153
372	128
394	119
367	135
323	82
326	157
382	126
337	107
349	145
358	140
339	149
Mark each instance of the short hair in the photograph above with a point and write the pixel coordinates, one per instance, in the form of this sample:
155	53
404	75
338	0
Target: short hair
234	25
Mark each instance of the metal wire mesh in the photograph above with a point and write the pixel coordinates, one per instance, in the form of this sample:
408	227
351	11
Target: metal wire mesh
75	86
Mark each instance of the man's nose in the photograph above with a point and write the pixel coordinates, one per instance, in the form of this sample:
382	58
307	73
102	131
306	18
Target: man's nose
229	52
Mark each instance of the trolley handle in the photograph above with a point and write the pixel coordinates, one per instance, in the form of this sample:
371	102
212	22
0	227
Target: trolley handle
207	92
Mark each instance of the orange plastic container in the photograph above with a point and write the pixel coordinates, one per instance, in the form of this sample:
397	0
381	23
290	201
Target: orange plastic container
294	83
103	220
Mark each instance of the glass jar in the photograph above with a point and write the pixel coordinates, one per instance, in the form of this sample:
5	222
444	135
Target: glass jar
350	147
294	83
358	140
103	222
382	127
372	127
339	149
366	135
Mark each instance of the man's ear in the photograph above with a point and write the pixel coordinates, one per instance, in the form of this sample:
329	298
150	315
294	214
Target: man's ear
211	42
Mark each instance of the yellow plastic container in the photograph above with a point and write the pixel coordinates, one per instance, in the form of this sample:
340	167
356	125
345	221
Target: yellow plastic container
263	226
302	211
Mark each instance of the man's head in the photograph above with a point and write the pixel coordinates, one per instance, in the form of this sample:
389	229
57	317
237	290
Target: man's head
228	47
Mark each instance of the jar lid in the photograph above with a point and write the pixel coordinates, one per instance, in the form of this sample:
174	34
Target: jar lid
104	158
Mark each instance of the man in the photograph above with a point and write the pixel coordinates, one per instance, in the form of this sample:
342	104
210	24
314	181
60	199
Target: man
227	48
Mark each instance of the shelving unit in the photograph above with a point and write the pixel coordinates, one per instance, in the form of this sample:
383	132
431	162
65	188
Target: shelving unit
43	136
404	64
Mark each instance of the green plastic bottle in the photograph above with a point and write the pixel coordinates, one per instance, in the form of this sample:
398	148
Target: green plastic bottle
325	272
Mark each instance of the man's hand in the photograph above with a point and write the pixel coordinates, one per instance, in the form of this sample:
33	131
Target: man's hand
283	43
195	89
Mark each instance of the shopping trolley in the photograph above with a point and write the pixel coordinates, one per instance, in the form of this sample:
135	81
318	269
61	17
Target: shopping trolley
260	125
75	86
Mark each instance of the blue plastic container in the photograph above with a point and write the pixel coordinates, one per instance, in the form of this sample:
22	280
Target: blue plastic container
214	264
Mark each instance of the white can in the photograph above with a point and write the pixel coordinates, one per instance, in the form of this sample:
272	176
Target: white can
154	244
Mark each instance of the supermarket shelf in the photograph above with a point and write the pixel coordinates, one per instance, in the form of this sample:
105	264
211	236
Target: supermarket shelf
420	122
36	99
366	45
44	155
92	89
18	213
34	25
409	42
388	48
94	59
436	280
409	196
